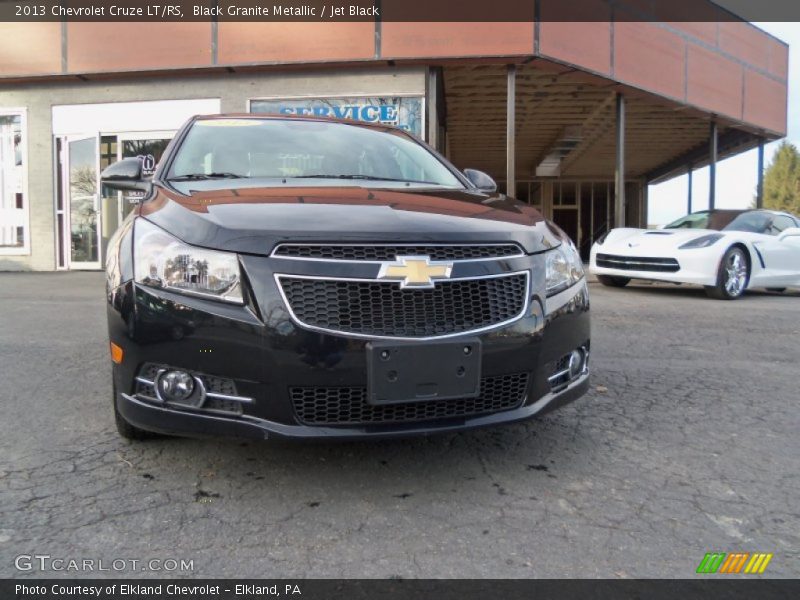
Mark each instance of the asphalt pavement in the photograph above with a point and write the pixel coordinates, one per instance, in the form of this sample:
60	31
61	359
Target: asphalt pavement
689	442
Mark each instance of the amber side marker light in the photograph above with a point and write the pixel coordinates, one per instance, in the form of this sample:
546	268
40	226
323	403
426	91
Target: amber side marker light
116	353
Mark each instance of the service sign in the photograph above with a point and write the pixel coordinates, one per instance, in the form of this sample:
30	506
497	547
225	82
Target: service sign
405	112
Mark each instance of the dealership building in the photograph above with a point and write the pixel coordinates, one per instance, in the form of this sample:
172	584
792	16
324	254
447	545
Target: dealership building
575	118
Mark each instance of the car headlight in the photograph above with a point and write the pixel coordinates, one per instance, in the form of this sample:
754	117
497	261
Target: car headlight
564	268
163	261
704	241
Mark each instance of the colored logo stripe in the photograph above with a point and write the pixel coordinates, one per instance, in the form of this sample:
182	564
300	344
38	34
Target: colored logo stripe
734	562
758	564
711	562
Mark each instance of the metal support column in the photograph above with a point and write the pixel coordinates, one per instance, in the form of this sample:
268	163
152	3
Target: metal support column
433	108
760	184
511	107
712	166
619	172
689	191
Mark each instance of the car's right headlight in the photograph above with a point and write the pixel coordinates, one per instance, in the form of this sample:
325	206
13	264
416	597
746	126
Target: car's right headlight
163	261
564	268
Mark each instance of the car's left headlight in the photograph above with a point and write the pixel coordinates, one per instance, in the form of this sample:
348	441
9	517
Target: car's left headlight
163	261
704	241
564	268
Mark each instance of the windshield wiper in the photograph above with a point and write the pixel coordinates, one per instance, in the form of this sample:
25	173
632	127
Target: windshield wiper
367	177
200	176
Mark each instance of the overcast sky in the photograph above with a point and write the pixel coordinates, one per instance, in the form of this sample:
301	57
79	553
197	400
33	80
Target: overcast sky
736	176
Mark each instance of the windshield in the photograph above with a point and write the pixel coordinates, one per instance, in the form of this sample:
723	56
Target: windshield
304	149
698	220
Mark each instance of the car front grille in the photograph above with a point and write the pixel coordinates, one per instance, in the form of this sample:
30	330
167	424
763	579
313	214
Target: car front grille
637	263
348	405
369	252
384	309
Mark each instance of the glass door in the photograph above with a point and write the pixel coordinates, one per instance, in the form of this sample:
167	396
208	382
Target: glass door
83	195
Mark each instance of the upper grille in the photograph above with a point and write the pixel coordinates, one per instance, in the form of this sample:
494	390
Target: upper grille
383	309
638	263
348	405
357	252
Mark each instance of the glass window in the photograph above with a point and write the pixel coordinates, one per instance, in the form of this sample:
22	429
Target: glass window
259	148
14	232
753	222
781	222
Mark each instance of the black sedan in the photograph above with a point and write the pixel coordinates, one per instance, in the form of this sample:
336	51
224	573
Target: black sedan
313	278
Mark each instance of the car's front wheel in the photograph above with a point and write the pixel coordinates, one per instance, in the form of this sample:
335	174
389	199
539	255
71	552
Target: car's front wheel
732	276
612	281
125	429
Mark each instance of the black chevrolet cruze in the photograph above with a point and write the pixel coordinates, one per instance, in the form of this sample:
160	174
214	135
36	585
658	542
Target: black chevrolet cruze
312	278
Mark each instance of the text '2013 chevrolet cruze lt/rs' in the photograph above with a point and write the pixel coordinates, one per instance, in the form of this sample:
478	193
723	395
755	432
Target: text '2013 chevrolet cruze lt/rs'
312	278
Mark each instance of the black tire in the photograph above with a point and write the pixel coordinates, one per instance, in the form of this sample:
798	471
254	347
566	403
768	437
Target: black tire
732	276
612	281
777	290
125	429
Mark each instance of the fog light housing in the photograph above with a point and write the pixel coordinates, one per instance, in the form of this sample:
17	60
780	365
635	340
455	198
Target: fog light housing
175	386
577	362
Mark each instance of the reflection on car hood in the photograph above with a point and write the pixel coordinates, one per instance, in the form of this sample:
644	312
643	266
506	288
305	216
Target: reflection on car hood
253	220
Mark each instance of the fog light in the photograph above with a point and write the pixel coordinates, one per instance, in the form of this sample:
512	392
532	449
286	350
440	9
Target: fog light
576	363
175	386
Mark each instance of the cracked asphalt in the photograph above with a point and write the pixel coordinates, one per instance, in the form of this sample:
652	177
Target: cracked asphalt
688	443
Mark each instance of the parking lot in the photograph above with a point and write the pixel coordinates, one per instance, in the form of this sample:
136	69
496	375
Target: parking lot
688	443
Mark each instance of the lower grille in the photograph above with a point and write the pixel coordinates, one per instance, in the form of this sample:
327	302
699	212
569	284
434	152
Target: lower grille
637	263
383	309
348	405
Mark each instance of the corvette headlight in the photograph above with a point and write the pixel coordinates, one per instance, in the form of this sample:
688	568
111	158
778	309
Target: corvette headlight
704	241
163	261
563	267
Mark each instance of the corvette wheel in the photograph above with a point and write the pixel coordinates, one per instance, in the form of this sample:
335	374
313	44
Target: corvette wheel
732	276
612	281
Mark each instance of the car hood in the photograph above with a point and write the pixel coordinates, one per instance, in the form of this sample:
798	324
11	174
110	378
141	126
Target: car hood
633	241
254	220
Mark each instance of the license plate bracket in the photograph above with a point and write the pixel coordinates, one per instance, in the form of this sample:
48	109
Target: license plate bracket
410	372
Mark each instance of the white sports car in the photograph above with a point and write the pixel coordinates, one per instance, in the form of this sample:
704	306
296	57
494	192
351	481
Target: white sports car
727	251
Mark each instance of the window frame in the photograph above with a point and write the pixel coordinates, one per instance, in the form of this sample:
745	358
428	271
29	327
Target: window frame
25	249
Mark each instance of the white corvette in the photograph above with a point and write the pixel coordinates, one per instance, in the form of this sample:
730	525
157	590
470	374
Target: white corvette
727	251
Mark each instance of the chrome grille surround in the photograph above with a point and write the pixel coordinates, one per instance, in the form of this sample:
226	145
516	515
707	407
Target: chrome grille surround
346	286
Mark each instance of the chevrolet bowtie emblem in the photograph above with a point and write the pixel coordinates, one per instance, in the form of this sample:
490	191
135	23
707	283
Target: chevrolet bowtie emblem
415	271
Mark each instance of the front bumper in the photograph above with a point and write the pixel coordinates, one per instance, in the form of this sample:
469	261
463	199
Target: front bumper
697	267
266	355
177	422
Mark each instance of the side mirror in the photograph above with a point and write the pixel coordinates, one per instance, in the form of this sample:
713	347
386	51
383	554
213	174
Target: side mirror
481	180
125	175
788	233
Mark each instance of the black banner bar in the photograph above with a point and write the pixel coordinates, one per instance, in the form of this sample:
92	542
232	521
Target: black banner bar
397	10
704	587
